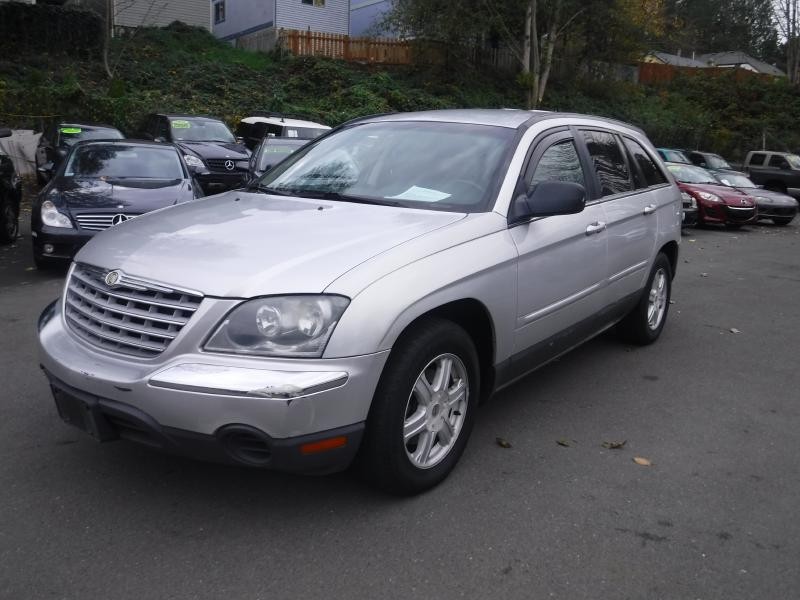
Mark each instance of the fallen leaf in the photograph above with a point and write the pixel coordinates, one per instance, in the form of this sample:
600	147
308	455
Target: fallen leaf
30	268
672	301
644	462
614	445
563	442
734	330
703	274
503	443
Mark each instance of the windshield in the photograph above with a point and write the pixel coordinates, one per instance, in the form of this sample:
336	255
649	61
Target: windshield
716	162
793	160
674	156
689	174
438	166
271	154
200	130
735	180
124	162
70	135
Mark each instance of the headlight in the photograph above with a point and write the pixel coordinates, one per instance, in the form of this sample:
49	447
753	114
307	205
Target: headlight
53	218
193	161
293	326
709	197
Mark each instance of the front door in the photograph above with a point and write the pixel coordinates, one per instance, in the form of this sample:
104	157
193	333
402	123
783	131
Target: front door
562	261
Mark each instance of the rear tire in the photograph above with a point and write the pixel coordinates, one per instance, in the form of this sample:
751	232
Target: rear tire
782	221
423	410
644	323
9	221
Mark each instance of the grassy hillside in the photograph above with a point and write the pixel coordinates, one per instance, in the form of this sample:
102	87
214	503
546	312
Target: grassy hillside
182	69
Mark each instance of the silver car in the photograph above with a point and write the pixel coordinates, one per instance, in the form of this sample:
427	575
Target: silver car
363	297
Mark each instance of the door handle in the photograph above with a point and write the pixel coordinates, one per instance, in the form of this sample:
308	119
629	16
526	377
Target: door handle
650	209
595	227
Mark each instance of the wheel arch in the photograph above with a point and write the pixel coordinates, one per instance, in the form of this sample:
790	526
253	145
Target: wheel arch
670	249
474	317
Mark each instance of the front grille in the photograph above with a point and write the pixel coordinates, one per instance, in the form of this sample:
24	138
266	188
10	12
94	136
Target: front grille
740	214
99	222
218	164
133	317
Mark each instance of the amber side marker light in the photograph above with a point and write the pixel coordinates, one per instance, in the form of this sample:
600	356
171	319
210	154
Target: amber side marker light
324	445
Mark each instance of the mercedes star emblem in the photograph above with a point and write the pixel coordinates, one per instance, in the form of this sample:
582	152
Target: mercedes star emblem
229	165
117	219
112	277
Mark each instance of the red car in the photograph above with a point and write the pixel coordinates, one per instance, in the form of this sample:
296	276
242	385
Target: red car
716	203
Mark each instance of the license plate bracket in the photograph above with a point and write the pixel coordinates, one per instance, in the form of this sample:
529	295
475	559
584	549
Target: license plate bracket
85	415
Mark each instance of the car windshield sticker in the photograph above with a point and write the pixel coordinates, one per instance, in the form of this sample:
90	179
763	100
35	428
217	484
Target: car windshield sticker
180	124
421	194
278	150
291	133
71	130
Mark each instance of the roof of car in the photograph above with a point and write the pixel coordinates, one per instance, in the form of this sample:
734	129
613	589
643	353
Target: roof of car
185	116
500	117
86	125
286	121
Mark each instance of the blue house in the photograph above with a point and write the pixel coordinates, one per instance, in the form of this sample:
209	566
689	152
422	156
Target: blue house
238	20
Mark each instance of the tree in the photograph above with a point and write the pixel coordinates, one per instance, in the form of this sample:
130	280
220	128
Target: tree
786	16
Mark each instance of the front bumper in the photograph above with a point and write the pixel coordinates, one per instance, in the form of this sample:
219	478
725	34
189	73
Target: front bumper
214	182
194	403
65	242
768	210
689	216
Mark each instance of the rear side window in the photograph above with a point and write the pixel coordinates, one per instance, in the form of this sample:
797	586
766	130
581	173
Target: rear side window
650	173
757	159
559	162
609	162
776	160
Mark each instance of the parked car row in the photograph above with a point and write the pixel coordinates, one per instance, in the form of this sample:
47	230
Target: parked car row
95	178
729	197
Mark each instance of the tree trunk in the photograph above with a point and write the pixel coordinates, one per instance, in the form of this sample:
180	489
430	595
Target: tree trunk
549	50
526	47
533	92
107	36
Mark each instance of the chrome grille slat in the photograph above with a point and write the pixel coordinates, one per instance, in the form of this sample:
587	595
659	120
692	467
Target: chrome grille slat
98	222
108	291
133	317
114	323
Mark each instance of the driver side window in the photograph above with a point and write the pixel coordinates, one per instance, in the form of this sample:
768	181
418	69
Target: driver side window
559	162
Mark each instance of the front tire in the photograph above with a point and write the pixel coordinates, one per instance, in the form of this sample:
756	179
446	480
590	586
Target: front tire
423	410
782	221
644	323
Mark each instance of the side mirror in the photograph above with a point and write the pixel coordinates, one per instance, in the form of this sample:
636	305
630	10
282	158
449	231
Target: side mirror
45	173
548	199
61	153
5	132
239	139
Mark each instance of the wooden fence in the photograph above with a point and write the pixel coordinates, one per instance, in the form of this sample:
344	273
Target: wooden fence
344	47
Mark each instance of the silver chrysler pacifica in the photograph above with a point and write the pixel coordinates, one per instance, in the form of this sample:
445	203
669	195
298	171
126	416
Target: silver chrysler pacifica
359	300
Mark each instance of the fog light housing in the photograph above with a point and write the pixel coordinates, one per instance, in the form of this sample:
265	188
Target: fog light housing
48	248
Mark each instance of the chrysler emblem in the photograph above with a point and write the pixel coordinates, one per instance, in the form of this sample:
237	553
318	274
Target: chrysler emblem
229	165
117	219
112	277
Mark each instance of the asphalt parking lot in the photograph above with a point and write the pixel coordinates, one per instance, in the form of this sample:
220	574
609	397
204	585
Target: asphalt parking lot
713	405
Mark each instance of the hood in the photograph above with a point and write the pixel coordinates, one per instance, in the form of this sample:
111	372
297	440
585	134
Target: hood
729	195
215	150
241	244
131	195
770	197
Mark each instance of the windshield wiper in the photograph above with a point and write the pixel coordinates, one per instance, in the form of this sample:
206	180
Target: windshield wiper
265	189
328	195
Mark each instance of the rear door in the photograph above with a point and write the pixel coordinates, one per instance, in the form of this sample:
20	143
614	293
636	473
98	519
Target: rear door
562	259
631	210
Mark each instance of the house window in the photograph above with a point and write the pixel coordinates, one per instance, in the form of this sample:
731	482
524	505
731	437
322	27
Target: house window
314	2
219	12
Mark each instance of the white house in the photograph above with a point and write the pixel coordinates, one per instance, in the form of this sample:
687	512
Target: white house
235	19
